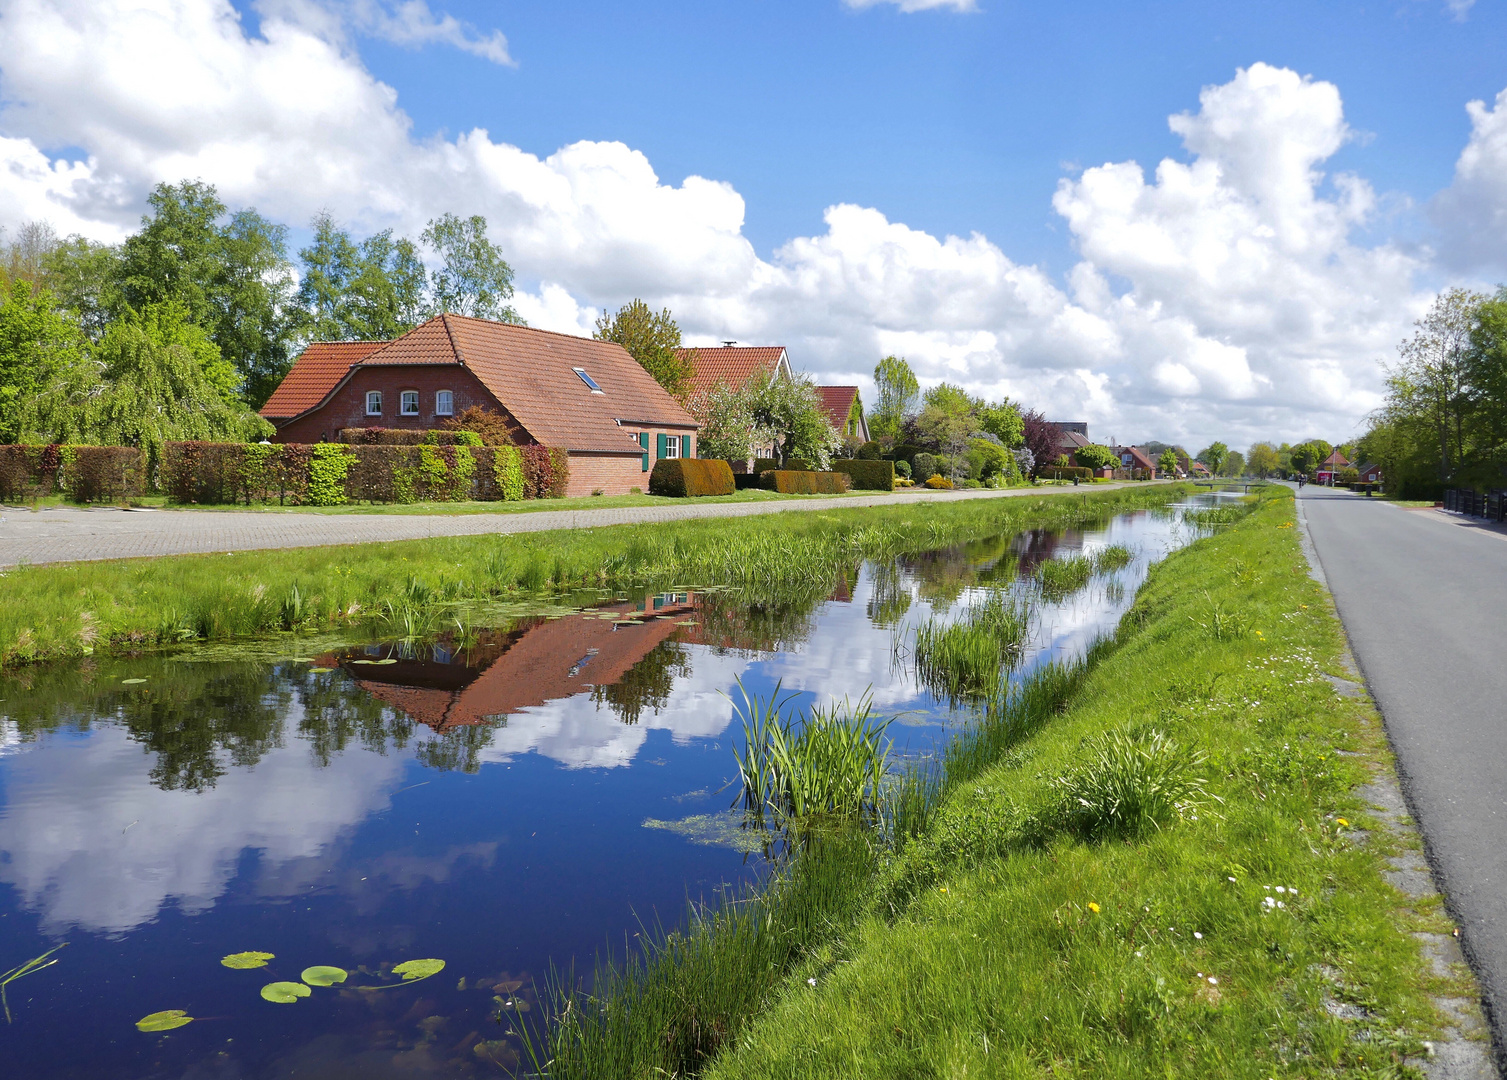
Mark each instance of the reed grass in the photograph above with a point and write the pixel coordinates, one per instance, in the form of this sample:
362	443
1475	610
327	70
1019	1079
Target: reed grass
1060	578
831	763
966	659
76	609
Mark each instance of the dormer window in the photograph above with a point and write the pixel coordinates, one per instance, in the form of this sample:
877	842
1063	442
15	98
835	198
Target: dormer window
374	403
410	403
588	380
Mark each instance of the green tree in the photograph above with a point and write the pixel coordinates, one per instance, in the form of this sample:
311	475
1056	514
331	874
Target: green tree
371	291
156	376
898	394
1214	456
1096	457
1004	421
36	342
1262	459
85	277
1234	463
949	421
1428	386
727	425
473	279
787	414
233	279
653	339
1168	462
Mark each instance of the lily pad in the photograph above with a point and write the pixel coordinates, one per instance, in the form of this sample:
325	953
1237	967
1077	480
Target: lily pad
131	682
323	976
245	961
164	1021
320	670
412	970
285	993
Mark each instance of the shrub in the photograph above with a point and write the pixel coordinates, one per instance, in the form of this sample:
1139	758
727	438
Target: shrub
683	477
507	473
870	451
1130	785
328	464
867	474
84	473
924	466
902	468
489	425
1066	472
803	482
938	483
764	464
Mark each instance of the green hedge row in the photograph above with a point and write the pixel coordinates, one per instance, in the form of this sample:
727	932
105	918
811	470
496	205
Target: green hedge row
82	473
330	474
683	477
867	474
377	436
803	482
1065	472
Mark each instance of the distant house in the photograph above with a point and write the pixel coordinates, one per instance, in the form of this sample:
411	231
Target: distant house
845	409
733	365
1329	469
585	396
1133	460
1198	468
1369	474
1072	438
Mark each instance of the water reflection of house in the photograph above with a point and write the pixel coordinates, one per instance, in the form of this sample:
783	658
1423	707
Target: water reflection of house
538	661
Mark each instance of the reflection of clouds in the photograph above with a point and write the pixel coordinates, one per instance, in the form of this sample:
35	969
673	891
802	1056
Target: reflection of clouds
89	841
367	883
10	737
847	655
581	733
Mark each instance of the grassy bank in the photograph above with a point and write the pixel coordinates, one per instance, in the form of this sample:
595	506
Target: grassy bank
1156	864
75	609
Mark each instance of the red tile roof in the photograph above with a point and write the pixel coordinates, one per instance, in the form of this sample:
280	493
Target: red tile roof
730	364
1338	459
837	402
530	373
314	374
1138	457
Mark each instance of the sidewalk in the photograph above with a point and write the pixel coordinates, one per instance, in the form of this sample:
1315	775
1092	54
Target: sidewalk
75	534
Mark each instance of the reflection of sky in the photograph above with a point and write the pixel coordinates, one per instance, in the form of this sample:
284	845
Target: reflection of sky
89	841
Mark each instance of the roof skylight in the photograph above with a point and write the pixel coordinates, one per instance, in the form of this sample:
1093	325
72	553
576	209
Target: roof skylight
588	380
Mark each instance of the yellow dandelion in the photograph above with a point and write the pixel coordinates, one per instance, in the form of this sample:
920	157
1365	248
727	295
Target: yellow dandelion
1342	822
1093	907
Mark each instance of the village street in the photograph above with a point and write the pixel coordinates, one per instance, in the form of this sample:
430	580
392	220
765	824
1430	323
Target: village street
73	534
1423	596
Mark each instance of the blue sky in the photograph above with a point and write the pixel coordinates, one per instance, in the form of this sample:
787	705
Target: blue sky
950	122
1178	221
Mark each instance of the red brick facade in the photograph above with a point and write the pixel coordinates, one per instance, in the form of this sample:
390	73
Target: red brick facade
347	406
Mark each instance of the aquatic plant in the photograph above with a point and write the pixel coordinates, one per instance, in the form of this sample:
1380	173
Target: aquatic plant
831	763
322	975
166	1020
1060	578
245	961
285	993
966	658
31	967
1111	558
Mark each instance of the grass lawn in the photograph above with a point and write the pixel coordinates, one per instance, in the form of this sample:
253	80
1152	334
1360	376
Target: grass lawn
1164	868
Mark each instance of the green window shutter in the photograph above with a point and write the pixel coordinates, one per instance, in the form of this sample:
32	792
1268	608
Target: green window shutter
643	440
685	446
659	445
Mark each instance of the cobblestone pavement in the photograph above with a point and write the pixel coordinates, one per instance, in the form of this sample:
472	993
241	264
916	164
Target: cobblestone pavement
73	534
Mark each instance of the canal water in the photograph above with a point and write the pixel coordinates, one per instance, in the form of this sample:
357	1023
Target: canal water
511	801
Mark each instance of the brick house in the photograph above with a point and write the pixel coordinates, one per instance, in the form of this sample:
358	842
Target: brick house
1369	474
1135	460
733	365
588	397
844	409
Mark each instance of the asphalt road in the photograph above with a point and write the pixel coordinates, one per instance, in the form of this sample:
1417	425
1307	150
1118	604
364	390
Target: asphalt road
1423	596
74	534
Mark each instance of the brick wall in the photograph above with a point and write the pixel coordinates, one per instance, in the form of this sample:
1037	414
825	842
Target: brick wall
614	474
347	408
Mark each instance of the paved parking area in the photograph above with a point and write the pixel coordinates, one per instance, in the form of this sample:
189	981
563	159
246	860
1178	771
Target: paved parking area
75	534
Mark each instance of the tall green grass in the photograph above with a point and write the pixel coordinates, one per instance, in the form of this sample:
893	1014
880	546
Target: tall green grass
78	609
965	660
831	763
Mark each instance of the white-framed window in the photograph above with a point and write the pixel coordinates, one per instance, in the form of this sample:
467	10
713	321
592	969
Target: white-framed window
672	446
444	403
410	403
374	403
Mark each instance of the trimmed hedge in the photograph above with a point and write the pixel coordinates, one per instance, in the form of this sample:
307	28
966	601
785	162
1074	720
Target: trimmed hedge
327	474
377	436
82	473
691	477
1065	472
867	474
803	482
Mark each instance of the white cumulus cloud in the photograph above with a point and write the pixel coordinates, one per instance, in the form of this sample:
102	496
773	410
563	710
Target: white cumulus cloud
1472	211
1225	295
